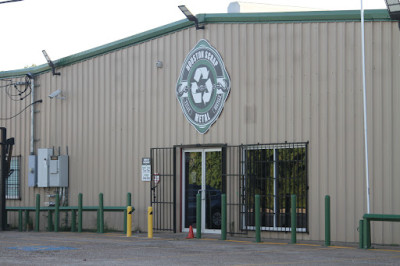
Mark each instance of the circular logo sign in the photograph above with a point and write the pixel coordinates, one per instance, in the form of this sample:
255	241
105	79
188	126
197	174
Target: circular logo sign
203	86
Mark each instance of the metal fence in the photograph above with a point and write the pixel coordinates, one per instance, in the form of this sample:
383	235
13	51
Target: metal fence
234	184
13	181
163	188
273	171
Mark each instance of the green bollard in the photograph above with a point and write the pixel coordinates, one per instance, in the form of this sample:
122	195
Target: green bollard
80	213
50	221
101	213
293	220
198	215
367	234
57	213
20	220
361	234
27	220
37	213
73	221
98	220
257	218
223	217
327	220
126	221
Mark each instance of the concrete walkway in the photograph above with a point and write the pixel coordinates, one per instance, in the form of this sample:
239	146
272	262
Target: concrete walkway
65	248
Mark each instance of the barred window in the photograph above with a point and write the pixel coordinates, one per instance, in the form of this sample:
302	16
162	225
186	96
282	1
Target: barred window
13	181
275	172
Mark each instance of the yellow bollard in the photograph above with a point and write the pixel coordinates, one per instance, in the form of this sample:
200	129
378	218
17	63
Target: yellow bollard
129	221
150	222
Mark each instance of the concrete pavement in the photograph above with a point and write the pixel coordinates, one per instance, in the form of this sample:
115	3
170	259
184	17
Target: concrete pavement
65	248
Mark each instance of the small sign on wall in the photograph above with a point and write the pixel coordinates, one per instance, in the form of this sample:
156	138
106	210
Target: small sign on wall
146	169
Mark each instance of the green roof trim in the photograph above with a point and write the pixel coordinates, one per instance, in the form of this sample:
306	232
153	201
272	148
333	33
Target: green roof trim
287	17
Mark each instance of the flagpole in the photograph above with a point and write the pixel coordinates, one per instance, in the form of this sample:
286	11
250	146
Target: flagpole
365	108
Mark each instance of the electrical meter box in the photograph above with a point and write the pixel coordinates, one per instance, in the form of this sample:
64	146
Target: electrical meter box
43	165
58	171
52	170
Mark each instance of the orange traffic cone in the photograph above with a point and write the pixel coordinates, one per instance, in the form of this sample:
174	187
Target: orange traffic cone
190	235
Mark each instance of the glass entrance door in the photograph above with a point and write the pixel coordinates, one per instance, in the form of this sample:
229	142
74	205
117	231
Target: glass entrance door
202	173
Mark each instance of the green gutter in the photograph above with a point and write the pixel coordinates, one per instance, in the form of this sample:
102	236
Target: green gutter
288	17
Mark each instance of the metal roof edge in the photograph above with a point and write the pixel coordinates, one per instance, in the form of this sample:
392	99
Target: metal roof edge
310	16
21	72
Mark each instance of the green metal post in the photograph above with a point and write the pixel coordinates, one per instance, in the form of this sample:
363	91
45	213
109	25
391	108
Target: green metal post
98	220
198	215
125	221
101	213
20	220
257	218
73	221
327	220
50	221
37	213
57	214
26	220
367	234
80	213
360	234
364	233
293	220
223	217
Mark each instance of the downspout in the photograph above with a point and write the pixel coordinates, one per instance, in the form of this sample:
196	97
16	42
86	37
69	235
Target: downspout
31	150
365	108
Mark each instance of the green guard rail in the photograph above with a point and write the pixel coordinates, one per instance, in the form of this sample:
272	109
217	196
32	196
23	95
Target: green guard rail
73	209
366	228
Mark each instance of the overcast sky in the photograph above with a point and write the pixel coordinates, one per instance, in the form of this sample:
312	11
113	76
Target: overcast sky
66	27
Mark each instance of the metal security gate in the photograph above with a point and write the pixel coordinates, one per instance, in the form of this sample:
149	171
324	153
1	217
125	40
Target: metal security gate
234	181
163	188
273	171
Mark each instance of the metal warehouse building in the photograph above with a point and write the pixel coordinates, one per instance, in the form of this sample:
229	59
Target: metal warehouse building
262	103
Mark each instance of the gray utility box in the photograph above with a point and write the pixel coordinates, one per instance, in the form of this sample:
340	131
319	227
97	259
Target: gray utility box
52	170
59	171
43	165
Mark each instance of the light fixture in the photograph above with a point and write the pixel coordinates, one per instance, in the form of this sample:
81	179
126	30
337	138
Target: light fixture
190	17
57	94
51	64
29	75
393	7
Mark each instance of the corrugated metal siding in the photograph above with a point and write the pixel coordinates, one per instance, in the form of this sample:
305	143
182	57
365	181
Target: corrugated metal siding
290	82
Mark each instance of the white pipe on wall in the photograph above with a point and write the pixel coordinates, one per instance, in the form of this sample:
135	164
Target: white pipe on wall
32	151
365	107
